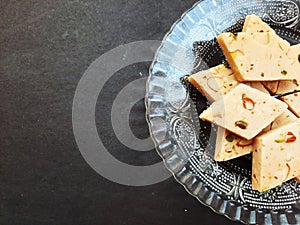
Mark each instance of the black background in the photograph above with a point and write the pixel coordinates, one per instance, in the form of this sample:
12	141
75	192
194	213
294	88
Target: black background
45	47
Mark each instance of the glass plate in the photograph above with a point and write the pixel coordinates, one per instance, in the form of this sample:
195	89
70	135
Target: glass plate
183	141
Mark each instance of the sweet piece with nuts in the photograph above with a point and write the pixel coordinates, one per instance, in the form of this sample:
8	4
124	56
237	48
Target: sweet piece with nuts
230	146
257	56
275	158
254	24
215	82
241	109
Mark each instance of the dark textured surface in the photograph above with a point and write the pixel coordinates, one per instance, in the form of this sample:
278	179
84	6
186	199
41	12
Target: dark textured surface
45	47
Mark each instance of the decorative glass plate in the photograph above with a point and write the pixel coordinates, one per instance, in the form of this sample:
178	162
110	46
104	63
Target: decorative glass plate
185	143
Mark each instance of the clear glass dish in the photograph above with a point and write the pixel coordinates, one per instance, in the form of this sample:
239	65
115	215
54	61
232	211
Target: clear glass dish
183	141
